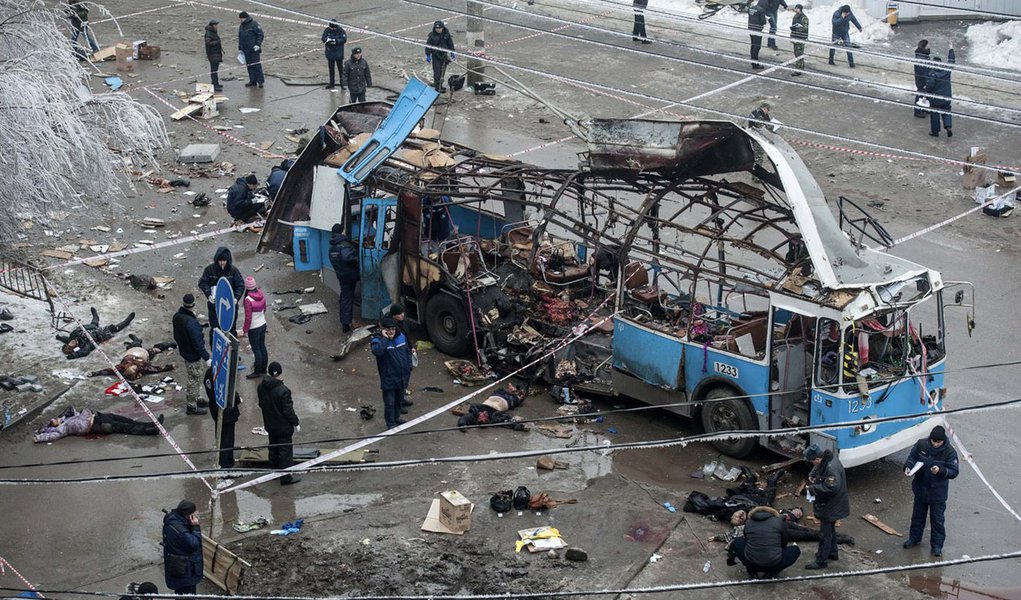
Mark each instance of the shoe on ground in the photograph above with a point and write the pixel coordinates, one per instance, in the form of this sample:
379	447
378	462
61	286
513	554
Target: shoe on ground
909	544
950	133
260	86
195	411
850	65
401	421
757	66
636	39
920	115
249	84
646	41
796	73
345	328
331	86
253	376
830	62
290	480
833	557
937	552
202	404
407	402
812	566
934	134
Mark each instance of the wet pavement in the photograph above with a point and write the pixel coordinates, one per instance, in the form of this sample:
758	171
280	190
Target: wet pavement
101	535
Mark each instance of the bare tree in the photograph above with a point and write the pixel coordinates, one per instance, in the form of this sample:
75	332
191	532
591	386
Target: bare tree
62	146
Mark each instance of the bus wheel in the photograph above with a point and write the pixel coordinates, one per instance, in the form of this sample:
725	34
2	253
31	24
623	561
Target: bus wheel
728	415
447	325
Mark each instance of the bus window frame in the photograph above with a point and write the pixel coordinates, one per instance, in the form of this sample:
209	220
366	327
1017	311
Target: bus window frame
835	387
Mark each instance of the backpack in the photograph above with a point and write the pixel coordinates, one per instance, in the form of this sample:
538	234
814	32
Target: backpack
521	498
501	501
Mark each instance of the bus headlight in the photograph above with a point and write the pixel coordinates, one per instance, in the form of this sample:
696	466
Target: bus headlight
865	427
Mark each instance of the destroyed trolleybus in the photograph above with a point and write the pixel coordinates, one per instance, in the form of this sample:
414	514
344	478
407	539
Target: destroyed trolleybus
700	258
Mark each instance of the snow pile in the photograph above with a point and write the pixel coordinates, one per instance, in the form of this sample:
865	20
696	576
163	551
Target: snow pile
995	45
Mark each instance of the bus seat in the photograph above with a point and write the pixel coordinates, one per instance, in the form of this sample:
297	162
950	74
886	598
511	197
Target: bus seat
520	238
635	276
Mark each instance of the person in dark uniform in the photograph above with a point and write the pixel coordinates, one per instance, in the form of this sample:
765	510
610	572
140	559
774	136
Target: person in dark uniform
344	260
439	37
638	32
827	485
250	38
756	21
279	420
922	53
334	38
357	78
931	485
214	52
938	84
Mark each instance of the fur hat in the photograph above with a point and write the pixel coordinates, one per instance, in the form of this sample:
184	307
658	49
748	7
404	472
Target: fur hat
812	452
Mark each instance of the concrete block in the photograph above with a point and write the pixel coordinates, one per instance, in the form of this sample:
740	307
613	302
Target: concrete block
199	153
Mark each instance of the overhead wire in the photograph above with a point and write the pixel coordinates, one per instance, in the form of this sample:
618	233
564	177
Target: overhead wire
681	441
557	418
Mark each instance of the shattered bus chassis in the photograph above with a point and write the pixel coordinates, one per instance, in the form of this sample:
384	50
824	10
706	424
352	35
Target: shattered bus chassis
728	290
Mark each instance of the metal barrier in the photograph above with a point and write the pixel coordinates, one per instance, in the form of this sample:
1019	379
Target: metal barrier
24	280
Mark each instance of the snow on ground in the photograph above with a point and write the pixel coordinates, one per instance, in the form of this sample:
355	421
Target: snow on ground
995	45
819	15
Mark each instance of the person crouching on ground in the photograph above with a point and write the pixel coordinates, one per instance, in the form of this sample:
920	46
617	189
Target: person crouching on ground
255	327
241	204
763	548
393	360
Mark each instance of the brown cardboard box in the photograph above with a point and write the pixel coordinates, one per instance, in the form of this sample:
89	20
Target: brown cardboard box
973	177
125	60
1005	181
455	511
148	52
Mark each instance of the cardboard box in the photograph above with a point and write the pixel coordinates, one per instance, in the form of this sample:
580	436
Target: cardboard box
455	511
973	177
1005	181
135	47
125	60
148	52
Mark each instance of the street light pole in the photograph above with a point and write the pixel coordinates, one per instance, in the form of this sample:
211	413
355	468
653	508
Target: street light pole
476	43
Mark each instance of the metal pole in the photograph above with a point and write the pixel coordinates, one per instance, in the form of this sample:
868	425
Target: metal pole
476	43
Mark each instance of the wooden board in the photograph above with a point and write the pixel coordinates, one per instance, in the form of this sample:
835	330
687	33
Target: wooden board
780	465
222	567
882	526
187	111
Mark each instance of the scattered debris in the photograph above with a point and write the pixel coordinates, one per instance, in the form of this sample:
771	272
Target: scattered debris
882	526
289	528
243	527
547	463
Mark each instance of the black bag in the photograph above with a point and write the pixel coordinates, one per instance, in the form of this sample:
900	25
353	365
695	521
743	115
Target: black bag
501	501
521	498
456	82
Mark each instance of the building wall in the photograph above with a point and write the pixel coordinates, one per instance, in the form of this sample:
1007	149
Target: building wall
944	9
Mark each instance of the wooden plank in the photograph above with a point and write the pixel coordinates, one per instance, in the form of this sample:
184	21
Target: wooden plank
222	567
186	112
882	526
780	465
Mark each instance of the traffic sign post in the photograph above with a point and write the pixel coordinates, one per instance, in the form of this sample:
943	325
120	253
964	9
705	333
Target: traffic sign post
226	304
225	369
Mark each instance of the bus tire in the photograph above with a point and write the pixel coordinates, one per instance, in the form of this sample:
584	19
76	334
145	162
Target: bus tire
447	325
728	415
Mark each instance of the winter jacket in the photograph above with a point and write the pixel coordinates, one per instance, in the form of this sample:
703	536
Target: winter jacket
85	347
929	488
238	197
214	49
842	24
182	551
232	414
188	335
212	274
276	177
921	71
765	535
77	13
78	424
938	84
757	15
277	407
829	486
439	40
799	26
255	310
774	5
356	76
640	3
344	259
249	36
393	360
759	115
334	38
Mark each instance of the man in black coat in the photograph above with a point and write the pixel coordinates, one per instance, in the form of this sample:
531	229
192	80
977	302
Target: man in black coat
772	6
763	547
356	77
279	420
938	84
439	51
344	260
922	53
241	204
214	52
827	489
931	486
188	335
250	39
222	266
756	21
230	419
334	38
182	549
638	31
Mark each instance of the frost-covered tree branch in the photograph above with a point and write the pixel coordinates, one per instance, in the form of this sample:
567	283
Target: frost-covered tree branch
62	146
